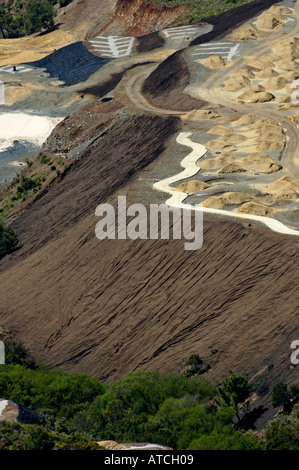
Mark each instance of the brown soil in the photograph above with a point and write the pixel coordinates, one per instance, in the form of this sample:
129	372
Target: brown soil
138	17
114	306
149	42
109	307
106	165
89	18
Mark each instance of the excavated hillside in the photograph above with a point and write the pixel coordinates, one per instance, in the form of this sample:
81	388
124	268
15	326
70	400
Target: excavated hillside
89	18
109	307
167	83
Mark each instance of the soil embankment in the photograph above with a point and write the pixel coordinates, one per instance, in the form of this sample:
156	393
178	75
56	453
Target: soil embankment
89	18
165	86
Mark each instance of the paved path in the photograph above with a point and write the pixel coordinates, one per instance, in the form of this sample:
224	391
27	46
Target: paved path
190	169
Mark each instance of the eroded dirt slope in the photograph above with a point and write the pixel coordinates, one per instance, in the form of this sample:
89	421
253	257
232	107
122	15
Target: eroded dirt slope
89	18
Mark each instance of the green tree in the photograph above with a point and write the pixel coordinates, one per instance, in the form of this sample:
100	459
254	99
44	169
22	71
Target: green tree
5	20
282	433
8	240
234	391
226	438
39	14
280	395
38	439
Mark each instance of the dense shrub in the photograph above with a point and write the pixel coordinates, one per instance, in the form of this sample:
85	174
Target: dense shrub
8	240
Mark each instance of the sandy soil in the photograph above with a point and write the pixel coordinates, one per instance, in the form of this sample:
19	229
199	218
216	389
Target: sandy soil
31	48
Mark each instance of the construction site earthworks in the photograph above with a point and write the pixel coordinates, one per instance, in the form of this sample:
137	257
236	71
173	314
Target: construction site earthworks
129	98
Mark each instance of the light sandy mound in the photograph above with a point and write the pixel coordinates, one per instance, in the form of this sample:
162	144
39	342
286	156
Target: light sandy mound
281	10
217	162
217	144
290	76
285	43
232	168
288	65
255	208
265	61
263	144
233	138
202	114
290	52
30	49
284	99
275	83
289	106
192	186
270	21
261	163
236	83
270	130
266	73
245	72
220	130
246	32
260	122
245	120
286	187
293	118
227	199
251	96
215	62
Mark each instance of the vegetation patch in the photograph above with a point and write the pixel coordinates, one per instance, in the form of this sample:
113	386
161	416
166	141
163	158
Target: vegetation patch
200	9
22	17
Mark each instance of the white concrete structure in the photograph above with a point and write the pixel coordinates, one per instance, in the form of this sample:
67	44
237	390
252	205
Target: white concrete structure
227	50
19	69
181	32
113	46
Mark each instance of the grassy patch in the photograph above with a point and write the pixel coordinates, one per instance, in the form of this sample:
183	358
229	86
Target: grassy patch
200	9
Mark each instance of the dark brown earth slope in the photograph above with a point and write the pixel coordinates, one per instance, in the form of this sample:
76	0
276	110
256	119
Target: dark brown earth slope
105	166
165	86
109	307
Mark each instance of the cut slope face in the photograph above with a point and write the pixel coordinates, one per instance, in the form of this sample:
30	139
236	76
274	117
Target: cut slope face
165	86
105	166
89	18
